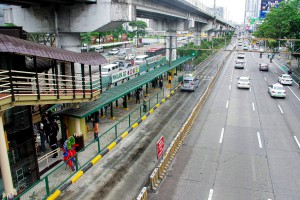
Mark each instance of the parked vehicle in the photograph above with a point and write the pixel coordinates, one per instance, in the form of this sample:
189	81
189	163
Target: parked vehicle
113	51
125	66
140	59
108	69
123	53
130	57
99	49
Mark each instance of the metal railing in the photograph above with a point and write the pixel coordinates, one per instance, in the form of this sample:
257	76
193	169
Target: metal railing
44	86
61	174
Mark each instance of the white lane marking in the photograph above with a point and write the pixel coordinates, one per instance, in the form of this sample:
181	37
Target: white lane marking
229	87
296	139
227	103
246	69
259	141
269	199
265	78
250	89
211	191
253	107
275	72
221	137
293	93
280	109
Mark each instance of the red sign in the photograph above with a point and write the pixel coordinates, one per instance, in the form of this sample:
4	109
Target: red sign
160	147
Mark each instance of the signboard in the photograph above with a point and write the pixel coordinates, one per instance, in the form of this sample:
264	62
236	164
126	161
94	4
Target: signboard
160	147
153	59
266	6
117	76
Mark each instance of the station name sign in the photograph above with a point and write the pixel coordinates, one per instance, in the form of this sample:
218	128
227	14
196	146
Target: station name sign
117	76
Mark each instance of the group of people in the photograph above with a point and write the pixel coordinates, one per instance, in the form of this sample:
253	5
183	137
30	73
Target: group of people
158	82
48	132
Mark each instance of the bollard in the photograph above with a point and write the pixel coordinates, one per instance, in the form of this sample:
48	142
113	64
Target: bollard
143	194
154	179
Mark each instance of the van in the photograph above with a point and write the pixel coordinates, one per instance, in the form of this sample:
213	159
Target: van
99	49
189	82
141	59
108	69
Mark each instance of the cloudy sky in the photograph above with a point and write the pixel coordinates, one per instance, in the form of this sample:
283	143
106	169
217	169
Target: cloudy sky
235	8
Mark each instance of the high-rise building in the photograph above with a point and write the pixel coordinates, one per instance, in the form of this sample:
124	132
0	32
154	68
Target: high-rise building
252	8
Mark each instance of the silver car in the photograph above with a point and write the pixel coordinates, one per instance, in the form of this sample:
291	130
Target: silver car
189	83
239	64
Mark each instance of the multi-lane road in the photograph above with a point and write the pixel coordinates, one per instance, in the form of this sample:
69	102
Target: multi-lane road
244	144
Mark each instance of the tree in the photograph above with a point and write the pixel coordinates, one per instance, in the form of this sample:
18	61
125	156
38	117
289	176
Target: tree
139	28
282	22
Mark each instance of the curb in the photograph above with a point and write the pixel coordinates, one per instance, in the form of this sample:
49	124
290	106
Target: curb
98	157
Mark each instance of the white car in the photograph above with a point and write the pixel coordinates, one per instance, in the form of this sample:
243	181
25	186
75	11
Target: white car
276	90
285	79
130	57
241	55
245	47
113	51
240	43
243	82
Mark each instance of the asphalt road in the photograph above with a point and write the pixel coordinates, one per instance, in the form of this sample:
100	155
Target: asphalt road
244	144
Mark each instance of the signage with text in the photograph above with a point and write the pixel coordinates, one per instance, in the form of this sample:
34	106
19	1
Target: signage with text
160	147
117	76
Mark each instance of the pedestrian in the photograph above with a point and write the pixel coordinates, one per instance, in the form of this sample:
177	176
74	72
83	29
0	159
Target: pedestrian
53	137
137	94
43	137
105	109
96	130
290	71
161	83
144	105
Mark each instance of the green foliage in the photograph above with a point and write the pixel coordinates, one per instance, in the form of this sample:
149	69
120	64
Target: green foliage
139	27
281	22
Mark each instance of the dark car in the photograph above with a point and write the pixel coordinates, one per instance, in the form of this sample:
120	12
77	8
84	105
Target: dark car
263	67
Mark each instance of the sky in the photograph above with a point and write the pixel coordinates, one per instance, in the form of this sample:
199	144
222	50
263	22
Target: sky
235	8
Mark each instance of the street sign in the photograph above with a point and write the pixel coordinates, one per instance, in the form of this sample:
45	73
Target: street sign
160	147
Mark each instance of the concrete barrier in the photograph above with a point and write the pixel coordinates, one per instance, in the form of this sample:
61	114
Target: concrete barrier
154	181
143	194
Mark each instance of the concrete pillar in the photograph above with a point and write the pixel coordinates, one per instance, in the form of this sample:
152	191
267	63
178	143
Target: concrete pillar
197	38
4	162
171	45
69	41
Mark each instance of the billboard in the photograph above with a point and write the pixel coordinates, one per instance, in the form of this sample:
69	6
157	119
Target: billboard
266	6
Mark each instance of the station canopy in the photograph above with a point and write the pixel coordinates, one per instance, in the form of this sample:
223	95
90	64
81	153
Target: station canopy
118	92
14	45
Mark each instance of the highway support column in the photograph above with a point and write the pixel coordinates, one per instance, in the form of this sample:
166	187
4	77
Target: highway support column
171	52
4	163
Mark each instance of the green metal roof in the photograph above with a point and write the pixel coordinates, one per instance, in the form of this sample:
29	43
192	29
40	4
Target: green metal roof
118	92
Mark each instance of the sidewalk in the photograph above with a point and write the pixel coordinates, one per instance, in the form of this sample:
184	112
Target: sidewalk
283	60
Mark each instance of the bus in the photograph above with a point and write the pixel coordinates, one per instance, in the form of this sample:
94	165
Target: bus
156	51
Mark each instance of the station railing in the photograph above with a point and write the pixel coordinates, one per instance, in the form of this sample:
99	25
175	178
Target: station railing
29	88
62	173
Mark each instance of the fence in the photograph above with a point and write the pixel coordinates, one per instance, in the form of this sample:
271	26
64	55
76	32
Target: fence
61	174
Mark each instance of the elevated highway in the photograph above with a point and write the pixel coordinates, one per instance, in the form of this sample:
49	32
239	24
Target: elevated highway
67	20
